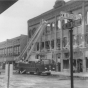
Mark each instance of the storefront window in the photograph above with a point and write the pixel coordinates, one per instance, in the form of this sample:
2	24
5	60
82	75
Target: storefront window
65	64
86	62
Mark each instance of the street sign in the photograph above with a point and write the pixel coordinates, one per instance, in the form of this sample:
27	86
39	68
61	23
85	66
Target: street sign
77	22
69	25
65	15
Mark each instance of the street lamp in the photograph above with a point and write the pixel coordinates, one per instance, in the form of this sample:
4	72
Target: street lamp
70	25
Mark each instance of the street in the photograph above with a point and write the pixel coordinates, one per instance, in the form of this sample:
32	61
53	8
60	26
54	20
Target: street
35	81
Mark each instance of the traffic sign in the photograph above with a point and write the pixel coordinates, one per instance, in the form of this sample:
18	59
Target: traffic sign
65	15
77	22
70	25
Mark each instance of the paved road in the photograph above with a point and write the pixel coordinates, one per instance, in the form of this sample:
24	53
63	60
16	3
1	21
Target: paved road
34	81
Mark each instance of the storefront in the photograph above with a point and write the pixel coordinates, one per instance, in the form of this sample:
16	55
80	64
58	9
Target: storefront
86	57
78	61
66	60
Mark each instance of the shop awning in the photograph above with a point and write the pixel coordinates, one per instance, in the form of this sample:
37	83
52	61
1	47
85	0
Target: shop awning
5	4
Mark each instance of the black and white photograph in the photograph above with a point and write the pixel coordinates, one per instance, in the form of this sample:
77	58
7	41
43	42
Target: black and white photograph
43	43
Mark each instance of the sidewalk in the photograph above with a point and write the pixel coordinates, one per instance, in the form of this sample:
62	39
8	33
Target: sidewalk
67	74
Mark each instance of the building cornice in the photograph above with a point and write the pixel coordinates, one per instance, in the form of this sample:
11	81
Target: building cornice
69	6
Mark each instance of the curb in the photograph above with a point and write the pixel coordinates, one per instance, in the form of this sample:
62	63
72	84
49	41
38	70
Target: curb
68	76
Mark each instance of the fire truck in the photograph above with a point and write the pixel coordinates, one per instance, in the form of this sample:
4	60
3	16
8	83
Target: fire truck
38	66
43	66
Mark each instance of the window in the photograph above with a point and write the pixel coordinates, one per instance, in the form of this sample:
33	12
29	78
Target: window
79	16
42	45
58	55
65	21
48	28
10	51
74	39
58	43
79	39
66	55
64	41
47	44
5	51
86	62
16	50
33	31
79	30
87	17
29	33
65	64
37	46
19	49
52	44
58	24
86	38
37	56
52	27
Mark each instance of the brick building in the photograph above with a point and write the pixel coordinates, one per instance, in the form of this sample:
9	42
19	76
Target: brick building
54	43
11	48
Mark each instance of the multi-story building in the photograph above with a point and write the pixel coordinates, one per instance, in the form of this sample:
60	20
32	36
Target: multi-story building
11	48
54	43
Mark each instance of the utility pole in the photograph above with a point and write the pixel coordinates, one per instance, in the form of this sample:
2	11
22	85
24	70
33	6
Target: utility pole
70	25
71	55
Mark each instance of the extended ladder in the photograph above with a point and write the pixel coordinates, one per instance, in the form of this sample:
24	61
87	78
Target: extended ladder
30	45
39	34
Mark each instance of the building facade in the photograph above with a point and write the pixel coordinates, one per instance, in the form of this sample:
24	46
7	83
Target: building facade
11	48
54	43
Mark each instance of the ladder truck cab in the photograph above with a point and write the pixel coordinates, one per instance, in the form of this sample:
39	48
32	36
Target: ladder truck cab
38	65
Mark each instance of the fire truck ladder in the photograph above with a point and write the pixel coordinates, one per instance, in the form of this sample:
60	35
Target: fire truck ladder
38	35
30	45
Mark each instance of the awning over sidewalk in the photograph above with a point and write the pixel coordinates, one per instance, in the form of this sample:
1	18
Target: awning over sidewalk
5	4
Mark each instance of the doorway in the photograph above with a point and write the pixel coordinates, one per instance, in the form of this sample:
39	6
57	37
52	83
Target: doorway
79	65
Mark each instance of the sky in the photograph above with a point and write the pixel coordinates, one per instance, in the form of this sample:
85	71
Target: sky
13	22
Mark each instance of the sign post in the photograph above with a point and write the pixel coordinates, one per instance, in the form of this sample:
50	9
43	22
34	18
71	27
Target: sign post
8	73
8	79
71	55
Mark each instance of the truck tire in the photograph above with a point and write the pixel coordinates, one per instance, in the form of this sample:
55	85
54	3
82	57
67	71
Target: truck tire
32	73
48	73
